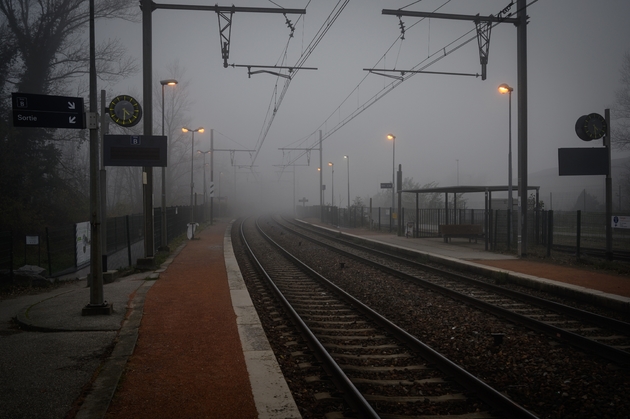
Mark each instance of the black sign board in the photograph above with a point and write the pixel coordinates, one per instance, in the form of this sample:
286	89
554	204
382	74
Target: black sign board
44	111
387	185
135	150
582	161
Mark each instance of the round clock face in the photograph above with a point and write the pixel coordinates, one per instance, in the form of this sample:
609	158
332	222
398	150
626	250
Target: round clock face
590	127
595	126
125	111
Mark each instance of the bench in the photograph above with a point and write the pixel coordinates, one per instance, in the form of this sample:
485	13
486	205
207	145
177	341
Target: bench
466	231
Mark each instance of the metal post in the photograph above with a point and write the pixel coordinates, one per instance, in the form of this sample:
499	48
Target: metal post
348	165
212	174
147	116
398	190
522	124
97	303
192	206
608	144
321	179
393	171
510	204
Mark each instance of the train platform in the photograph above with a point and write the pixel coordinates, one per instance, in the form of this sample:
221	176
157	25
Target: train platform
190	344
598	287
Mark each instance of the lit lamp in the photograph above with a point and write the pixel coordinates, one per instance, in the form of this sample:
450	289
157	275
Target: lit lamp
169	82
192	155
503	89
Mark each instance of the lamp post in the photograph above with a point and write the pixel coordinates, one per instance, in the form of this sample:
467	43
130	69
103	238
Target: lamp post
192	155
503	89
348	161
220	176
393	139
169	82
332	184
204	180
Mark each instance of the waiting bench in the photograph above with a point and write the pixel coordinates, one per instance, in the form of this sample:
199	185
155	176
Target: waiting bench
466	231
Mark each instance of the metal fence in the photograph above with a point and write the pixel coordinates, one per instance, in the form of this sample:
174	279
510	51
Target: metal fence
561	230
59	247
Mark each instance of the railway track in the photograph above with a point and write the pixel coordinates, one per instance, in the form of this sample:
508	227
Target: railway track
604	336
380	369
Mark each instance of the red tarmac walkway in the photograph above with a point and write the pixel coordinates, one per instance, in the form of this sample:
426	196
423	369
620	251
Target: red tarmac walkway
188	361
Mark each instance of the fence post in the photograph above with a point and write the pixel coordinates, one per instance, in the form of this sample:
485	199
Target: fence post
579	233
48	253
76	257
128	241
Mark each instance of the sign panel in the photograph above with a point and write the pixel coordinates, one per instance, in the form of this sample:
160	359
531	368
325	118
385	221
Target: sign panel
44	111
32	240
84	242
135	150
582	161
387	185
621	221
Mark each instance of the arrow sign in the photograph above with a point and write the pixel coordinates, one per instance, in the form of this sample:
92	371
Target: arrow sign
45	111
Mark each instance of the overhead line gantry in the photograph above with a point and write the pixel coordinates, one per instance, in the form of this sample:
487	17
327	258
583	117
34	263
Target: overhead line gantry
484	25
225	14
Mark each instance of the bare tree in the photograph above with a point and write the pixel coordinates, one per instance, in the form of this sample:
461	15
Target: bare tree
621	112
44	50
48	46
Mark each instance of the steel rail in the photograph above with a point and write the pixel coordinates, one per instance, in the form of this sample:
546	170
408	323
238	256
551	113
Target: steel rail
585	343
352	395
482	390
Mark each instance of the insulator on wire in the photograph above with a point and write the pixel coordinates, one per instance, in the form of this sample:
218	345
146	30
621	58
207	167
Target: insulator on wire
402	28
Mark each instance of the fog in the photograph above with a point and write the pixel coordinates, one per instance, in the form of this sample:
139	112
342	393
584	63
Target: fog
449	129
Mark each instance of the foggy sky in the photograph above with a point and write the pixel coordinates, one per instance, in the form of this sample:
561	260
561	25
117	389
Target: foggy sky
441	123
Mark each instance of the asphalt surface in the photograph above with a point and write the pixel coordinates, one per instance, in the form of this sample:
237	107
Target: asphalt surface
50	352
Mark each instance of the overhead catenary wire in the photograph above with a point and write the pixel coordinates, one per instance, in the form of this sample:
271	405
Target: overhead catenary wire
422	65
272	111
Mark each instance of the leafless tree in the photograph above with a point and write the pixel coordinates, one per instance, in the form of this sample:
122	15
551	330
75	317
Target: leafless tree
621	112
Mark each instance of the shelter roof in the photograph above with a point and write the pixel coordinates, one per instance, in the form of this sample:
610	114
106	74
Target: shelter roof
466	189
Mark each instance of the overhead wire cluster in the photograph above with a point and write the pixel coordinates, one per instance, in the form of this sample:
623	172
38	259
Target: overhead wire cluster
430	60
276	99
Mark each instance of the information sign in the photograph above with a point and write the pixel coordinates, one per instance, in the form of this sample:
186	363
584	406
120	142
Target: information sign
45	111
387	185
135	150
621	221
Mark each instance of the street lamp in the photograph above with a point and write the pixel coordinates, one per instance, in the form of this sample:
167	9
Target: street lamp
503	89
332	183
393	139
192	155
169	82
348	161
204	179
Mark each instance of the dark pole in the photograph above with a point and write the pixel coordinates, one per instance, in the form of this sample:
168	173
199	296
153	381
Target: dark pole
97	303
522	124
192	205
212	174
608	144
147	98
